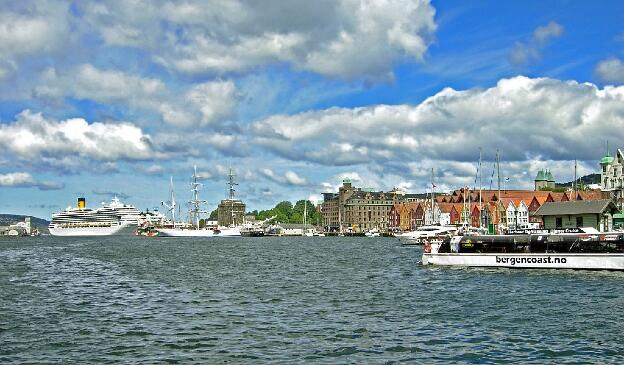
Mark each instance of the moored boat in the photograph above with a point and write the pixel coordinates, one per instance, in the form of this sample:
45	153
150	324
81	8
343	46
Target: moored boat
192	228
426	234
110	219
595	251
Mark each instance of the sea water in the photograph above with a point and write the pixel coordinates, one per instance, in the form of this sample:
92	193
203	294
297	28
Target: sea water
292	300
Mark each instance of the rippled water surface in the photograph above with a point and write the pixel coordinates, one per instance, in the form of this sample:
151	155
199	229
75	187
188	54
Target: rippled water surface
292	300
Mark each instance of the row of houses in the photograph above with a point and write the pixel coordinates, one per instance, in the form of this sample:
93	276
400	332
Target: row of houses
486	208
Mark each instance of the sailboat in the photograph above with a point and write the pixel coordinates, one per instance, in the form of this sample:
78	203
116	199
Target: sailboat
192	229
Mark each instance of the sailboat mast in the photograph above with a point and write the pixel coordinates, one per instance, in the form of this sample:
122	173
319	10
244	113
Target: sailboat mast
173	204
305	215
480	190
432	198
499	197
575	186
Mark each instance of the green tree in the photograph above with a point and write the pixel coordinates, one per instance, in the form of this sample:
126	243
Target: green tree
214	214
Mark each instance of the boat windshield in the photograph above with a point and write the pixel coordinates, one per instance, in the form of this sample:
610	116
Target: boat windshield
565	243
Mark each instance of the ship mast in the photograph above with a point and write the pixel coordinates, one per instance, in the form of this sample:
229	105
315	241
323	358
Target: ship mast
231	183
172	204
195	202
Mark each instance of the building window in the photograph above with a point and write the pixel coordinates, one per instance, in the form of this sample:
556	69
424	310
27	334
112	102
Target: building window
559	222
579	221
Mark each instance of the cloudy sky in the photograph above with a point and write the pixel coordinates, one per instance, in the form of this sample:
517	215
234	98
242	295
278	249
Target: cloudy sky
115	96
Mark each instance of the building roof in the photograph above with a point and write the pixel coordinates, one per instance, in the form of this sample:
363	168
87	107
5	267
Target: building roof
607	159
575	207
540	176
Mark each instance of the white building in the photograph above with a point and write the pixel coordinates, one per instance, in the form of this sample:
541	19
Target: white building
612	176
517	214
436	217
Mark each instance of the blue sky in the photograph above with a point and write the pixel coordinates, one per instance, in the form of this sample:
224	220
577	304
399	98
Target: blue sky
107	97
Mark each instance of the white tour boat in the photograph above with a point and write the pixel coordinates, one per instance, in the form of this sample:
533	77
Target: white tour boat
590	251
425	234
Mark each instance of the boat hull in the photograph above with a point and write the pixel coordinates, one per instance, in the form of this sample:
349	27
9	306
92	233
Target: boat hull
584	261
200	233
116	230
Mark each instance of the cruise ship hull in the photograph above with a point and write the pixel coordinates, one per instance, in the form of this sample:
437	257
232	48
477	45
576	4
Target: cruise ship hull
200	233
116	230
585	261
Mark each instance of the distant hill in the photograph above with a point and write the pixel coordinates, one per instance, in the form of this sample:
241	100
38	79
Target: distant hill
587	179
8	219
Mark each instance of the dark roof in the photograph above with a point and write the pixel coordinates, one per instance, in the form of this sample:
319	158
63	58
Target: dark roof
575	207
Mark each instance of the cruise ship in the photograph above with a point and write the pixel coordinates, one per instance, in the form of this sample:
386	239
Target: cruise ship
110	219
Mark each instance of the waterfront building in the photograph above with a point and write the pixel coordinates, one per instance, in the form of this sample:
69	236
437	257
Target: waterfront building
612	177
360	210
544	180
231	211
575	214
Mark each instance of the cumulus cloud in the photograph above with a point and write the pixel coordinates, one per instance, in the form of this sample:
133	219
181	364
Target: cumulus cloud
345	39
526	118
201	105
289	178
26	180
611	70
36	27
70	142
525	52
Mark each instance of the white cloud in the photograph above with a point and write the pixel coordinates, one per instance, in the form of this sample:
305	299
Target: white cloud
72	141
25	180
37	27
544	33
523	53
290	178
345	39
611	70
200	106
215	100
526	118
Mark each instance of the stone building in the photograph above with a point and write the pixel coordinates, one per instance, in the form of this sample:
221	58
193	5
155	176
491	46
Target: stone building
544	180
612	177
360	210
231	212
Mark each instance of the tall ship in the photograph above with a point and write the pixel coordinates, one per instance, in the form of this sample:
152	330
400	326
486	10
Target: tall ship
192	228
110	219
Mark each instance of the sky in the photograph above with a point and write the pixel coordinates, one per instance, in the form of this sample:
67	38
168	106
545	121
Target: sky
114	97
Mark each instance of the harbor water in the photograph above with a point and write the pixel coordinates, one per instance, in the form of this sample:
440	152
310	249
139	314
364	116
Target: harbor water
292	300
